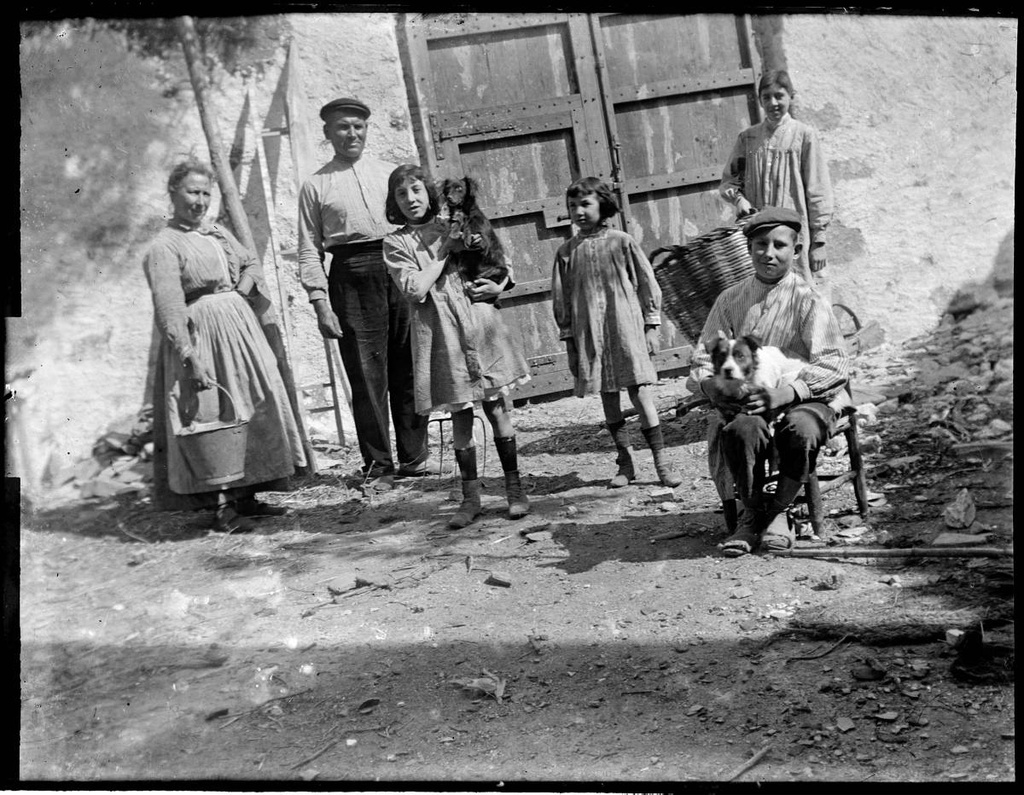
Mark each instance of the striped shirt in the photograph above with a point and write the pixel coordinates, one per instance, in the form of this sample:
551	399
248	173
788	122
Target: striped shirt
790	315
343	202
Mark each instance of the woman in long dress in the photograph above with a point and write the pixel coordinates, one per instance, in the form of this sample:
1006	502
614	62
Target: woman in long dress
215	366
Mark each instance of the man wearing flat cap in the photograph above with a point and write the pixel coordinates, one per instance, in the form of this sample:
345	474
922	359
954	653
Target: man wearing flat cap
341	213
779	308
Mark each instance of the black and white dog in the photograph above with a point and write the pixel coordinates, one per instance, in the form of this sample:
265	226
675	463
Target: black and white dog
742	365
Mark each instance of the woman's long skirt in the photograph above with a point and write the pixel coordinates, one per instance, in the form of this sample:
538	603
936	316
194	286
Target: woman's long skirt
228	337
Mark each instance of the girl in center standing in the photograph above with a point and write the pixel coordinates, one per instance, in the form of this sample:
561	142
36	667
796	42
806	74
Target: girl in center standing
607	305
462	354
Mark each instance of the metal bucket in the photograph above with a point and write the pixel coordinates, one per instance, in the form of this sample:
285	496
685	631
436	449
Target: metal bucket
215	451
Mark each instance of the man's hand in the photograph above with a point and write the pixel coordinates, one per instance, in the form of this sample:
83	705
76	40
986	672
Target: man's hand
743	207
570	352
330	328
763	401
653	339
818	258
483	290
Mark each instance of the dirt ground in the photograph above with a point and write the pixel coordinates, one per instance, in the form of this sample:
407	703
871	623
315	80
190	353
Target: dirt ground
361	640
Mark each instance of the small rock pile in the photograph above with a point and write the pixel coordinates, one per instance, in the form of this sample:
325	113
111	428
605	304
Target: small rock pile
940	432
121	462
958	384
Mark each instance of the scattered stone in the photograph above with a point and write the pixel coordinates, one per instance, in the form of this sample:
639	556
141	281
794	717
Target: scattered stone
903	461
959	749
694	710
845	724
886	716
832	580
961	512
870	443
662	493
871	671
960	539
499	578
953	636
890	579
740	592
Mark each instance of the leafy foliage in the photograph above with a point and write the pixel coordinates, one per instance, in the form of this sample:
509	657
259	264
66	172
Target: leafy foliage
240	44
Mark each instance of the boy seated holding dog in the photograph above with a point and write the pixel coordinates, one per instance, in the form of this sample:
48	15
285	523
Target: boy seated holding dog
778	308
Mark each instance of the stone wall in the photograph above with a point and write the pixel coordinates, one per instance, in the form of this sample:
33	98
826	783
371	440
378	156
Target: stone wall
917	117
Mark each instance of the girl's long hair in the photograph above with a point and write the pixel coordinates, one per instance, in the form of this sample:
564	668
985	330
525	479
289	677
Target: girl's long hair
401	175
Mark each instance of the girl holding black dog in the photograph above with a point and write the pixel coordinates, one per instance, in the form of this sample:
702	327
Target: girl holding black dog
607	305
463	355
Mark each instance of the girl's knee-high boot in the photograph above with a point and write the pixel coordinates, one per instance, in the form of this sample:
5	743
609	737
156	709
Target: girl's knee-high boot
624	457
470	507
518	504
656	441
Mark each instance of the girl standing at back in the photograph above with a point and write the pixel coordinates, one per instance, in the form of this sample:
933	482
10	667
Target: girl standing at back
462	354
779	163
607	305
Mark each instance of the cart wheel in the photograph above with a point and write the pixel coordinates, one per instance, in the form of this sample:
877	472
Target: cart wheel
849	323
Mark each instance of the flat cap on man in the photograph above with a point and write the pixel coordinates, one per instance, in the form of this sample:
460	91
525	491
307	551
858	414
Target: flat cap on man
771	217
347	104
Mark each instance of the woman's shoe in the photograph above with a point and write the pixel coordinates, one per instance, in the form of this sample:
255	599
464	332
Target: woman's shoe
250	506
228	520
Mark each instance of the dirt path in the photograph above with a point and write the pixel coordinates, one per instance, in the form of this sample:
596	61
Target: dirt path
153	650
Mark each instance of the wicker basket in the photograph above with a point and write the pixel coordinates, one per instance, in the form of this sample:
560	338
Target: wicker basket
692	275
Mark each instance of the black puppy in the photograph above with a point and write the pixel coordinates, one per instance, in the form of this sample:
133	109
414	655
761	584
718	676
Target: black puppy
459	209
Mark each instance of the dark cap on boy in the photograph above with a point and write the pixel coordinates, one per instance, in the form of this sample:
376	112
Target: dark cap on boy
771	217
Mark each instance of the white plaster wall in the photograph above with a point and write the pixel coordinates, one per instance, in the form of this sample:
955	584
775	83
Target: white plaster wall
918	118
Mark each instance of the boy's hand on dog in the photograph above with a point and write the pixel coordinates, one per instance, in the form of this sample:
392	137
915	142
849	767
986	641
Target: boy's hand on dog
330	328
767	400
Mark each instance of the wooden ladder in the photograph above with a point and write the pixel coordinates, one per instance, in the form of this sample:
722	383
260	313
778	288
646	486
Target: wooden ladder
296	128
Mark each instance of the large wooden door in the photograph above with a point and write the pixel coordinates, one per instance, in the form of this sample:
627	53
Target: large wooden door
526	103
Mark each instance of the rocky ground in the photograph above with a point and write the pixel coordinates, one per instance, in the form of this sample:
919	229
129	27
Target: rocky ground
603	638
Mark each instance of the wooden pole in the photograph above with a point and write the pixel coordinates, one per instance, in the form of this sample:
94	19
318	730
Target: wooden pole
908	552
239	220
228	188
